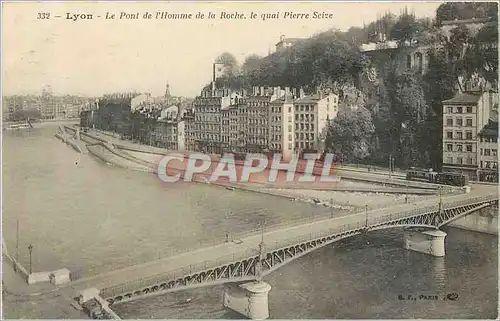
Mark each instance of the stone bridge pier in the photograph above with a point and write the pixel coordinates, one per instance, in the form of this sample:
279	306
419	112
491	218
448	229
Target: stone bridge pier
250	299
425	241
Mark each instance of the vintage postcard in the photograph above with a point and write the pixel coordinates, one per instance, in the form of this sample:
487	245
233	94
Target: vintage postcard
249	160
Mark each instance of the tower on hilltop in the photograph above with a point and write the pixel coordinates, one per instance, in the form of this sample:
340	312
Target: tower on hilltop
167	91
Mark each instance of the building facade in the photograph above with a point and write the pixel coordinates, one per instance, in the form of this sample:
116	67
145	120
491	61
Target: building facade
463	117
488	152
311	116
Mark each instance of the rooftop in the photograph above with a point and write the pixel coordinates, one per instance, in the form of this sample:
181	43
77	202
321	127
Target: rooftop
310	99
464	98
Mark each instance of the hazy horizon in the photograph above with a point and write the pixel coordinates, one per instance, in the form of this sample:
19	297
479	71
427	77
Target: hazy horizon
95	57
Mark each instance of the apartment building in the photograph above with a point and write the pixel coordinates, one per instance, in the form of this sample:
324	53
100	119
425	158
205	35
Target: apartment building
281	123
311	116
488	152
169	130
229	128
189	129
464	116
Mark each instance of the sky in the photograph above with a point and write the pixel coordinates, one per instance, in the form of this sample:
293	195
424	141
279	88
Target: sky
98	56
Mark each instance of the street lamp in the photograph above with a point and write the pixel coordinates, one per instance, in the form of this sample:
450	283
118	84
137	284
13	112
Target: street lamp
262	235
331	203
440	200
30	249
227	229
406	196
366	215
390	163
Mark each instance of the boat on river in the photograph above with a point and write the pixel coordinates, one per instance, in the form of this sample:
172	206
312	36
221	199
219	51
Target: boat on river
19	126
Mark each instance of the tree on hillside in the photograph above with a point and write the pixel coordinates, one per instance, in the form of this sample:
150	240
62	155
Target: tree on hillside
349	134
229	61
251	64
466	10
485	52
406	29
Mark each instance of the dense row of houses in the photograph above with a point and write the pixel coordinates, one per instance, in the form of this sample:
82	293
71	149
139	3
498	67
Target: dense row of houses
281	120
44	106
286	120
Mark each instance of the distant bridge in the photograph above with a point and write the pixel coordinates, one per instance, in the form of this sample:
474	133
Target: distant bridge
252	259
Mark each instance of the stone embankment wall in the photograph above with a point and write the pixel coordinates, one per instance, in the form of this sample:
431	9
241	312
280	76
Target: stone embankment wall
484	221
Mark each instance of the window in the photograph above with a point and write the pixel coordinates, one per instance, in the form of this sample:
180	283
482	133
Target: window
459	160
493	152
449	122
459	135
468	147
450	110
469	161
289	137
449	147
289	128
449	135
459	121
486	152
469	110
459	110
468	135
289	145
449	160
459	148
468	122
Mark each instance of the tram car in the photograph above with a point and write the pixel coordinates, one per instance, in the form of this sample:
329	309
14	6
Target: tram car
428	175
454	179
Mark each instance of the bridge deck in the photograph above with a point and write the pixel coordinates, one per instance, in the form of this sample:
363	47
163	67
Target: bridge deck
228	252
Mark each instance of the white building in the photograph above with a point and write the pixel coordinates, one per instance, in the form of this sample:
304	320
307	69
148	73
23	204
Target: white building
312	114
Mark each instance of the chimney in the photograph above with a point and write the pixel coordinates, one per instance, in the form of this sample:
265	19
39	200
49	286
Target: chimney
287	92
294	92
301	93
278	92
262	90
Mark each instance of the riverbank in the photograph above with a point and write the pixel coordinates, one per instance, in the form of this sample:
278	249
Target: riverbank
345	194
484	221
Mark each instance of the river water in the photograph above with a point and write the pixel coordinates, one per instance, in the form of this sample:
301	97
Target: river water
82	214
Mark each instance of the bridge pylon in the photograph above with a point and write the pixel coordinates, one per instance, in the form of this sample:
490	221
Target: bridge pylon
250	299
425	241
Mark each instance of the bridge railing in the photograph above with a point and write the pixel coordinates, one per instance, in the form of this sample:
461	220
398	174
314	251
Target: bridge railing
140	284
170	252
427	209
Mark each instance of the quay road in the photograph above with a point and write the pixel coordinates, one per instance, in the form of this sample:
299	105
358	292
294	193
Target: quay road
349	172
248	246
